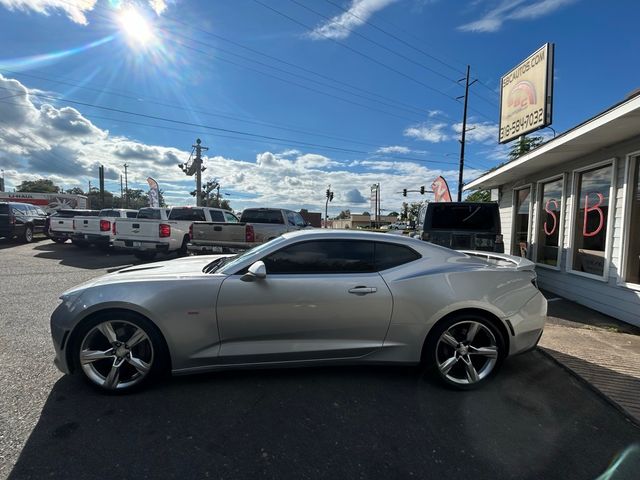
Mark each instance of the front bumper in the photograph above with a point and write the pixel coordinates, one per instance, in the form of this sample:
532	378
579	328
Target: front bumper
60	337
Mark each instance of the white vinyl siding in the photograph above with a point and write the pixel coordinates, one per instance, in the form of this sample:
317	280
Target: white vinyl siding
608	297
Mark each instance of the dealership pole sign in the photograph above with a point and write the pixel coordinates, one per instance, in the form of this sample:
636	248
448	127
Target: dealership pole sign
526	95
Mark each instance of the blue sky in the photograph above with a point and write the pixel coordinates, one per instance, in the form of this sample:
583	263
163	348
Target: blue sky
289	95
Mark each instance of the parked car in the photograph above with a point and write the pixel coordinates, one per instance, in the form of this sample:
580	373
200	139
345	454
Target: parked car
59	225
257	225
21	220
464	225
313	297
97	230
158	230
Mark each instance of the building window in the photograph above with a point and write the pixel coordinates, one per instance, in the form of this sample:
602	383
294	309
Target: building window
632	267
593	189
520	236
550	209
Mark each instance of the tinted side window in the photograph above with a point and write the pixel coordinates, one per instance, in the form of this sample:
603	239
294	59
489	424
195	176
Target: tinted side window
132	214
20	209
230	217
389	255
299	220
322	256
150	213
463	217
216	216
109	213
41	212
4	208
291	219
262	216
188	214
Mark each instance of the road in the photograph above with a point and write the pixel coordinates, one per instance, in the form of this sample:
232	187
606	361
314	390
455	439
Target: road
533	421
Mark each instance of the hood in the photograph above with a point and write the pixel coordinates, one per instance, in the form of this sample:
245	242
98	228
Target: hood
165	270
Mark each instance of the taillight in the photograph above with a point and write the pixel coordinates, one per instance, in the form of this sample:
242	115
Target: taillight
249	234
105	225
165	230
113	228
191	232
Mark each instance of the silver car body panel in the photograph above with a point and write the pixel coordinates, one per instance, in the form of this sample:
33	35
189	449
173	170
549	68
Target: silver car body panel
213	321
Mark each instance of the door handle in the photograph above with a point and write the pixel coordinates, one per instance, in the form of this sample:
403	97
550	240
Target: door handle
360	290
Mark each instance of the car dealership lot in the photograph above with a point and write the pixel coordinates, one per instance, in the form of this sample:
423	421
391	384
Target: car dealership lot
533	421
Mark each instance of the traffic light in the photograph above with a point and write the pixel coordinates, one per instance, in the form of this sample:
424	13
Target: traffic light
404	192
328	193
422	190
331	197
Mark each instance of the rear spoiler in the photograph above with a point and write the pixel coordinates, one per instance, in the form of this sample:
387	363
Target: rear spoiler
520	264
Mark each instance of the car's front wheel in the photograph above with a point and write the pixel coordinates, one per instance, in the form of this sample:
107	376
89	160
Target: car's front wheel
465	350
120	352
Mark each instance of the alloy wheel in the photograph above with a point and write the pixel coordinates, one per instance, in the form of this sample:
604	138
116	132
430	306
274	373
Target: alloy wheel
116	354
467	352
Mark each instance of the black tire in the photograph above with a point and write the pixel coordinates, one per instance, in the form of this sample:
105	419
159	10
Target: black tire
27	235
144	255
439	349
183	251
123	323
80	243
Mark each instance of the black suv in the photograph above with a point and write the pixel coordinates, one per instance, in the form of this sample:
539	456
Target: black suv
21	220
464	226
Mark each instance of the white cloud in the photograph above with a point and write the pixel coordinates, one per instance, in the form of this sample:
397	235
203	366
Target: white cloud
506	10
394	149
479	132
429	132
60	143
158	6
340	26
75	9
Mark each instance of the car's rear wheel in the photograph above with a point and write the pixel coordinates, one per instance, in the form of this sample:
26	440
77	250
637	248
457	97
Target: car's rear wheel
119	352
465	350
27	236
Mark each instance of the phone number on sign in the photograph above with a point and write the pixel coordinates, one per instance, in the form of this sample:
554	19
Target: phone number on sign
534	119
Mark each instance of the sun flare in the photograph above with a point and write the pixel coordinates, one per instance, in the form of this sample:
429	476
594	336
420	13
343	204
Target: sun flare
136	27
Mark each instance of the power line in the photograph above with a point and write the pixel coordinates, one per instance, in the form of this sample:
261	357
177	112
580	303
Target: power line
190	110
378	44
225	130
404	42
358	52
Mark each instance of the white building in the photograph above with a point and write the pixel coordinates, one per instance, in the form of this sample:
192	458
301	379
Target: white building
573	207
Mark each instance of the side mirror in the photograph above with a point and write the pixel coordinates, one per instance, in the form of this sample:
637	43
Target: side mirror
256	271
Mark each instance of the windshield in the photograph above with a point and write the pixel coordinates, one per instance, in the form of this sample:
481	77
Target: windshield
233	262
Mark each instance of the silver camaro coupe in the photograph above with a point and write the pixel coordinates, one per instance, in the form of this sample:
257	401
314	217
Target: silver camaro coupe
315	297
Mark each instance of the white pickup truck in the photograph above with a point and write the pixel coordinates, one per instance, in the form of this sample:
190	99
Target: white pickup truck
158	230
98	230
61	223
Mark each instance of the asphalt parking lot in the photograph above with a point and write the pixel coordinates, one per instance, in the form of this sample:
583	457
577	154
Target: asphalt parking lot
533	421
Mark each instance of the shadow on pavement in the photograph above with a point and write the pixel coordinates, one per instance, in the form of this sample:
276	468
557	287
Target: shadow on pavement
623	389
533	421
88	258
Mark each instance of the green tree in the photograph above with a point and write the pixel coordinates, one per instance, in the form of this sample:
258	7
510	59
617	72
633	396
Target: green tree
75	191
394	214
366	213
344	214
41	185
524	145
479	196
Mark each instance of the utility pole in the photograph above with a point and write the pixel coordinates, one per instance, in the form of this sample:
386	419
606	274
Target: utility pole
126	186
329	195
464	130
196	168
121	197
2	180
